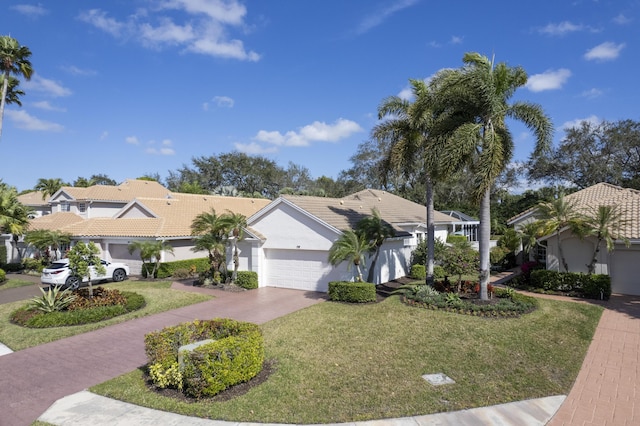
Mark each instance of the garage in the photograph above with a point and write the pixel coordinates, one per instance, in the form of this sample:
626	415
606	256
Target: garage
624	272
120	253
300	269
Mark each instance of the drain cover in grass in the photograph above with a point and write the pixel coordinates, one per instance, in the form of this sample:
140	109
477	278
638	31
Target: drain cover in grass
438	379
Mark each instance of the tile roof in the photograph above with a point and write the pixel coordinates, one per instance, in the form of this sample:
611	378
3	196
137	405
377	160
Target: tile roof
126	191
344	213
33	198
604	194
173	217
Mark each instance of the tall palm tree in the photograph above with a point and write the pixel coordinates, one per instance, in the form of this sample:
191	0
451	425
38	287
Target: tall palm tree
210	235
48	187
375	231
529	234
14	59
48	242
350	247
607	224
150	253
472	106
408	129
557	215
14	216
234	223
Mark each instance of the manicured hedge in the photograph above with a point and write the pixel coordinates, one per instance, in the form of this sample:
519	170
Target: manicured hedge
352	292
13	267
419	272
590	286
3	275
235	355
247	279
166	269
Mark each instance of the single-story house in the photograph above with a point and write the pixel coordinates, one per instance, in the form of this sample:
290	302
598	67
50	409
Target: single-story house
286	242
621	263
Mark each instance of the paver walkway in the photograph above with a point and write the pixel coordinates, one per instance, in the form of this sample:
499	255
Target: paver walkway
30	378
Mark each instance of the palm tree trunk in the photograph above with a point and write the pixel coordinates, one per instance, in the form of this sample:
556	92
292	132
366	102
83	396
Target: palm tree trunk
372	267
5	85
592	265
431	230
561	253
484	242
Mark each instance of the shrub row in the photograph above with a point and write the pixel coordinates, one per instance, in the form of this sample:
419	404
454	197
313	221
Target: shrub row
167	269
235	355
3	276
33	318
247	279
590	286
352	292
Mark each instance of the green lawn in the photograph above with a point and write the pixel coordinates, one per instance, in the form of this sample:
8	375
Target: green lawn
338	363
15	283
158	296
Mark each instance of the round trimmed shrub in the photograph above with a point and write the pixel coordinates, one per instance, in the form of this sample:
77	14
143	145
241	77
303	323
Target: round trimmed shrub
232	352
3	275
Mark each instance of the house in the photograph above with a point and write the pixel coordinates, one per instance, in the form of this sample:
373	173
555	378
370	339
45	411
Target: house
286	242
621	263
290	238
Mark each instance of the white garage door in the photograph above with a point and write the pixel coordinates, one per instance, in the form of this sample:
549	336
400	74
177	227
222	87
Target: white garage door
120	253
299	269
624	272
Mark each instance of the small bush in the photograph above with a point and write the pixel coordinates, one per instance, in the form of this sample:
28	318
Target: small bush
453	239
419	272
33	264
235	355
439	272
3	276
52	300
12	267
247	279
352	292
3	254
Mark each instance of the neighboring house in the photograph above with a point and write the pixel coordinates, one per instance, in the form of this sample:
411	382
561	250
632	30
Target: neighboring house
287	240
39	206
621	263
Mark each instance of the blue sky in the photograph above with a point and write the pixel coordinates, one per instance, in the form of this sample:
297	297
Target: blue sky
131	87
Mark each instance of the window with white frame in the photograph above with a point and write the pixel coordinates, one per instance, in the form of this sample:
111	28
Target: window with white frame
65	206
82	207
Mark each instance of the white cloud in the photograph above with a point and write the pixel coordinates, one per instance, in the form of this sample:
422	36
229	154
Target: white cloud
78	71
133	140
100	20
604	52
592	93
548	80
254	148
592	119
45	105
25	121
381	15
621	19
203	30
561	28
164	149
30	10
456	40
104	135
50	87
315	132
223	101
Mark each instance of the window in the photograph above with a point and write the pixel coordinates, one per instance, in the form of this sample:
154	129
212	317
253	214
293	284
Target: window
65	206
82	207
541	253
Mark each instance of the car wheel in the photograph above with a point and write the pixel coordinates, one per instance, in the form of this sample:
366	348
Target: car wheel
72	282
119	275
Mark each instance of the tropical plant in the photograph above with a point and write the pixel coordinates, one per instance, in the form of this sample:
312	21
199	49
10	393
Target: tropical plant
150	253
83	257
460	259
529	234
48	242
14	216
14	59
210	234
606	224
375	231
472	105
557	215
48	187
234	223
351	247
52	300
13	92
408	129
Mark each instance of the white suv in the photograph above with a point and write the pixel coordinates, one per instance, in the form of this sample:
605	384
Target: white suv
59	274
